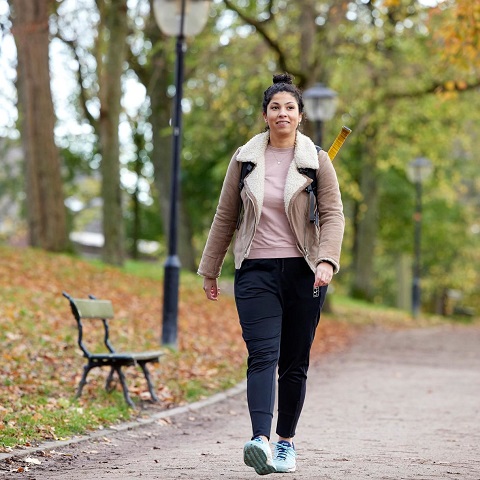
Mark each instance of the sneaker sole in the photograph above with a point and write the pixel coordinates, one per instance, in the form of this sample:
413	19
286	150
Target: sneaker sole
286	470
255	457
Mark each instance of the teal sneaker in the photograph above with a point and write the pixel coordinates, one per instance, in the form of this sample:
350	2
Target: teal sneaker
257	454
284	457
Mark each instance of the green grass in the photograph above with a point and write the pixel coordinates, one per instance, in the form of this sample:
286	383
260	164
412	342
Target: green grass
151	270
58	420
360	312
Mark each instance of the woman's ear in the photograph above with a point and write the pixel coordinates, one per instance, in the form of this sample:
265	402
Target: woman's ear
300	118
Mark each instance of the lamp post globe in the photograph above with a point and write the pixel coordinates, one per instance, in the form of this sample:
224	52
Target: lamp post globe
181	17
320	105
178	18
418	171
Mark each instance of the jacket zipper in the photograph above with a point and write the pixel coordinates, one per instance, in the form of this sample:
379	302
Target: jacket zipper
247	249
302	248
305	231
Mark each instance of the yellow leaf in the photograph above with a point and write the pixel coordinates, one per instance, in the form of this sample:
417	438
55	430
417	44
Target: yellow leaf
450	85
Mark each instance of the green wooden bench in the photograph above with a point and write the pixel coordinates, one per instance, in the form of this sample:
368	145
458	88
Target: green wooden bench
102	310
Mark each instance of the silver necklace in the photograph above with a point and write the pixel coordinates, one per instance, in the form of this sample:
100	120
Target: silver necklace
276	158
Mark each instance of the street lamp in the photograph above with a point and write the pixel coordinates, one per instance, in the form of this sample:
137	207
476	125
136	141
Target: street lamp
178	18
418	171
320	105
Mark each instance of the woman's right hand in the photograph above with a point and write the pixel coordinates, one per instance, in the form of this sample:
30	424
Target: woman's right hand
211	289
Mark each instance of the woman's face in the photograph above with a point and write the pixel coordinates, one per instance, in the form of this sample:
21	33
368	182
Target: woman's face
283	115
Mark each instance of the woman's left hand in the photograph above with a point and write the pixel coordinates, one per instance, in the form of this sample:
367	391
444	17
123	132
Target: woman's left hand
323	274
210	286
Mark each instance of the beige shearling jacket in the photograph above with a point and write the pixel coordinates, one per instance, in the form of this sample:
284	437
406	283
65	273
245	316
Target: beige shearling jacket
316	243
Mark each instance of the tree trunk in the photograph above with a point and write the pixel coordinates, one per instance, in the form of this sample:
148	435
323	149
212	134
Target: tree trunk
307	30
366	227
46	215
136	208
114	18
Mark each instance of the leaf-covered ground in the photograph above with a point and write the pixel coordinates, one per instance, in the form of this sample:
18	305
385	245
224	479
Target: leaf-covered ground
41	364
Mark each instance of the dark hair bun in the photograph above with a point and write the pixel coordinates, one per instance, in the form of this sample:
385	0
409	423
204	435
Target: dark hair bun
282	82
283	78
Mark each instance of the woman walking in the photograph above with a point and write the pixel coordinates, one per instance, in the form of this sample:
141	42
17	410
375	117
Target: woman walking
285	257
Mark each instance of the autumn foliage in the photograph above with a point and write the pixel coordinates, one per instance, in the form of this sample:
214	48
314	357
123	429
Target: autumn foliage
459	32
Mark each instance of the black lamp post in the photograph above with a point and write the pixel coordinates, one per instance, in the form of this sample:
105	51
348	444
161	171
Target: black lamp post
418	171
320	105
178	18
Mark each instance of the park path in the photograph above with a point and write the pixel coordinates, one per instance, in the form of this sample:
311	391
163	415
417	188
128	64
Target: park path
397	404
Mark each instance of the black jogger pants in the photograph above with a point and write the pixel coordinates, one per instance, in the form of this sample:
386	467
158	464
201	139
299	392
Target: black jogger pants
279	313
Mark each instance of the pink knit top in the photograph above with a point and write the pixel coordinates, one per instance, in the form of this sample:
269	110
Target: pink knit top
274	237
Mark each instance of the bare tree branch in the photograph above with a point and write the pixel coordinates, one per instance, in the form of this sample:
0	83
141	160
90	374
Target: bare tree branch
440	87
274	45
83	93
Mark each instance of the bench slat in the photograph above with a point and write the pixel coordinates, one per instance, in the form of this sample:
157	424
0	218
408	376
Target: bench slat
144	355
94	308
128	355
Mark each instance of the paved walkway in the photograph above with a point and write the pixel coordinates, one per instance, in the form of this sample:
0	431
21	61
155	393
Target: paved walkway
400	404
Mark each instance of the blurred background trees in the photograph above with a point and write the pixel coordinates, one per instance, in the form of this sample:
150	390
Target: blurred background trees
407	75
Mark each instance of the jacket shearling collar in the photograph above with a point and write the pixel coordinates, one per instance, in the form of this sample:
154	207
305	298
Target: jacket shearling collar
305	156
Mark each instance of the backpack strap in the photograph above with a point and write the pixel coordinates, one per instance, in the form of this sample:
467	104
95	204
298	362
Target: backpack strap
312	192
247	167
